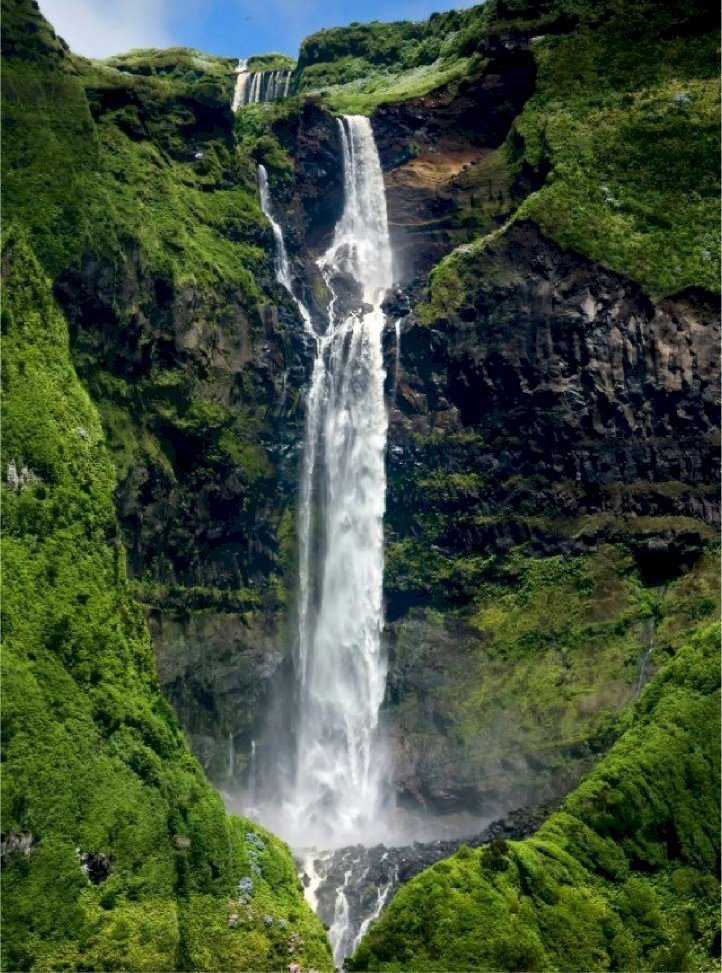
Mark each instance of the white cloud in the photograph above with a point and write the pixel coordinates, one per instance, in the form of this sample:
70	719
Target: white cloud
99	28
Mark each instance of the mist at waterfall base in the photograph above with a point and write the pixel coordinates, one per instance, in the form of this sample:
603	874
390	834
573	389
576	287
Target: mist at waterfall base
322	777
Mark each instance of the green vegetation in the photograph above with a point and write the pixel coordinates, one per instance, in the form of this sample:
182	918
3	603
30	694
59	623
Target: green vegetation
624	121
622	877
359	67
541	658
94	763
271	62
361	96
114	166
177	64
135	173
628	127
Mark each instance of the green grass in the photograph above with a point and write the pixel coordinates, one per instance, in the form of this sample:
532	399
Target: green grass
177	64
93	757
114	164
622	877
363	94
629	130
271	62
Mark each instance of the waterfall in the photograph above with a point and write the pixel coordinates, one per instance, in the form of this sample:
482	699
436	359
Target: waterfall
337	791
231	756
337	794
240	88
282	263
256	87
341	668
252	774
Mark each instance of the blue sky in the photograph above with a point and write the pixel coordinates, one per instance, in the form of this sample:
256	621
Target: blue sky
98	28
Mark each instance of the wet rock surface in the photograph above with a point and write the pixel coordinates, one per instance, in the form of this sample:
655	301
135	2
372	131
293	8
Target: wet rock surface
350	886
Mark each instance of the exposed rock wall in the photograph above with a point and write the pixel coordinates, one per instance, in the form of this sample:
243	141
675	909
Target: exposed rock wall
426	143
551	408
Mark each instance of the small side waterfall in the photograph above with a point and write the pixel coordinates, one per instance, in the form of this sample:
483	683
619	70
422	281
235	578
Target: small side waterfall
241	79
255	87
282	263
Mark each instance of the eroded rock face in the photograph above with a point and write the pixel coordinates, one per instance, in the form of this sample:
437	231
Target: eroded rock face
572	375
577	412
426	143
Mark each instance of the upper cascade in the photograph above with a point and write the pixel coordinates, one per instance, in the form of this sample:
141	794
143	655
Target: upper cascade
255	87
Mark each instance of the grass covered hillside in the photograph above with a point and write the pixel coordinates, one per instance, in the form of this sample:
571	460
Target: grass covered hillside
621	878
117	854
144	212
623	129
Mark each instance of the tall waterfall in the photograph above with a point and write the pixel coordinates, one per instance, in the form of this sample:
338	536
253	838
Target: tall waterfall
342	671
255	87
337	791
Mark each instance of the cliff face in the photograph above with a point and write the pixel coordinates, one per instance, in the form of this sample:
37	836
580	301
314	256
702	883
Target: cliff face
553	391
432	146
549	410
544	408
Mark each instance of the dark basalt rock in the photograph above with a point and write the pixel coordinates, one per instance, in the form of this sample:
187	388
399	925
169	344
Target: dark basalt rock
571	373
14	845
367	877
314	202
96	866
479	111
189	524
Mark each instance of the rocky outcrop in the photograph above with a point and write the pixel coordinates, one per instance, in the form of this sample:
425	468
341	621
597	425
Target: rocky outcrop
427	143
573	379
552	407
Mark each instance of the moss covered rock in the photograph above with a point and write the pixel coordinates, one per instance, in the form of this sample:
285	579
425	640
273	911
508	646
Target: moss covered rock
620	878
128	860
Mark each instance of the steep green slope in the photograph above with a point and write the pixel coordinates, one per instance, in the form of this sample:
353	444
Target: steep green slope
145	214
115	161
622	877
95	770
622	128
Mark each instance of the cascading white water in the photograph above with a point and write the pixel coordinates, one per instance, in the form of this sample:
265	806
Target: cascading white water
282	263
337	791
342	671
256	87
239	91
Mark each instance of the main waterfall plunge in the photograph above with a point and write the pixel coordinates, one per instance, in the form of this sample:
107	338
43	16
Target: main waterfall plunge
321	778
336	791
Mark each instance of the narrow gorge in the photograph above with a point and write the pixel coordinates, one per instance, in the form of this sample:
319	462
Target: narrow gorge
361	496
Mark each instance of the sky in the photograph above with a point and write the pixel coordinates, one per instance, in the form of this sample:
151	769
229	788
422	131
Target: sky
238	28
